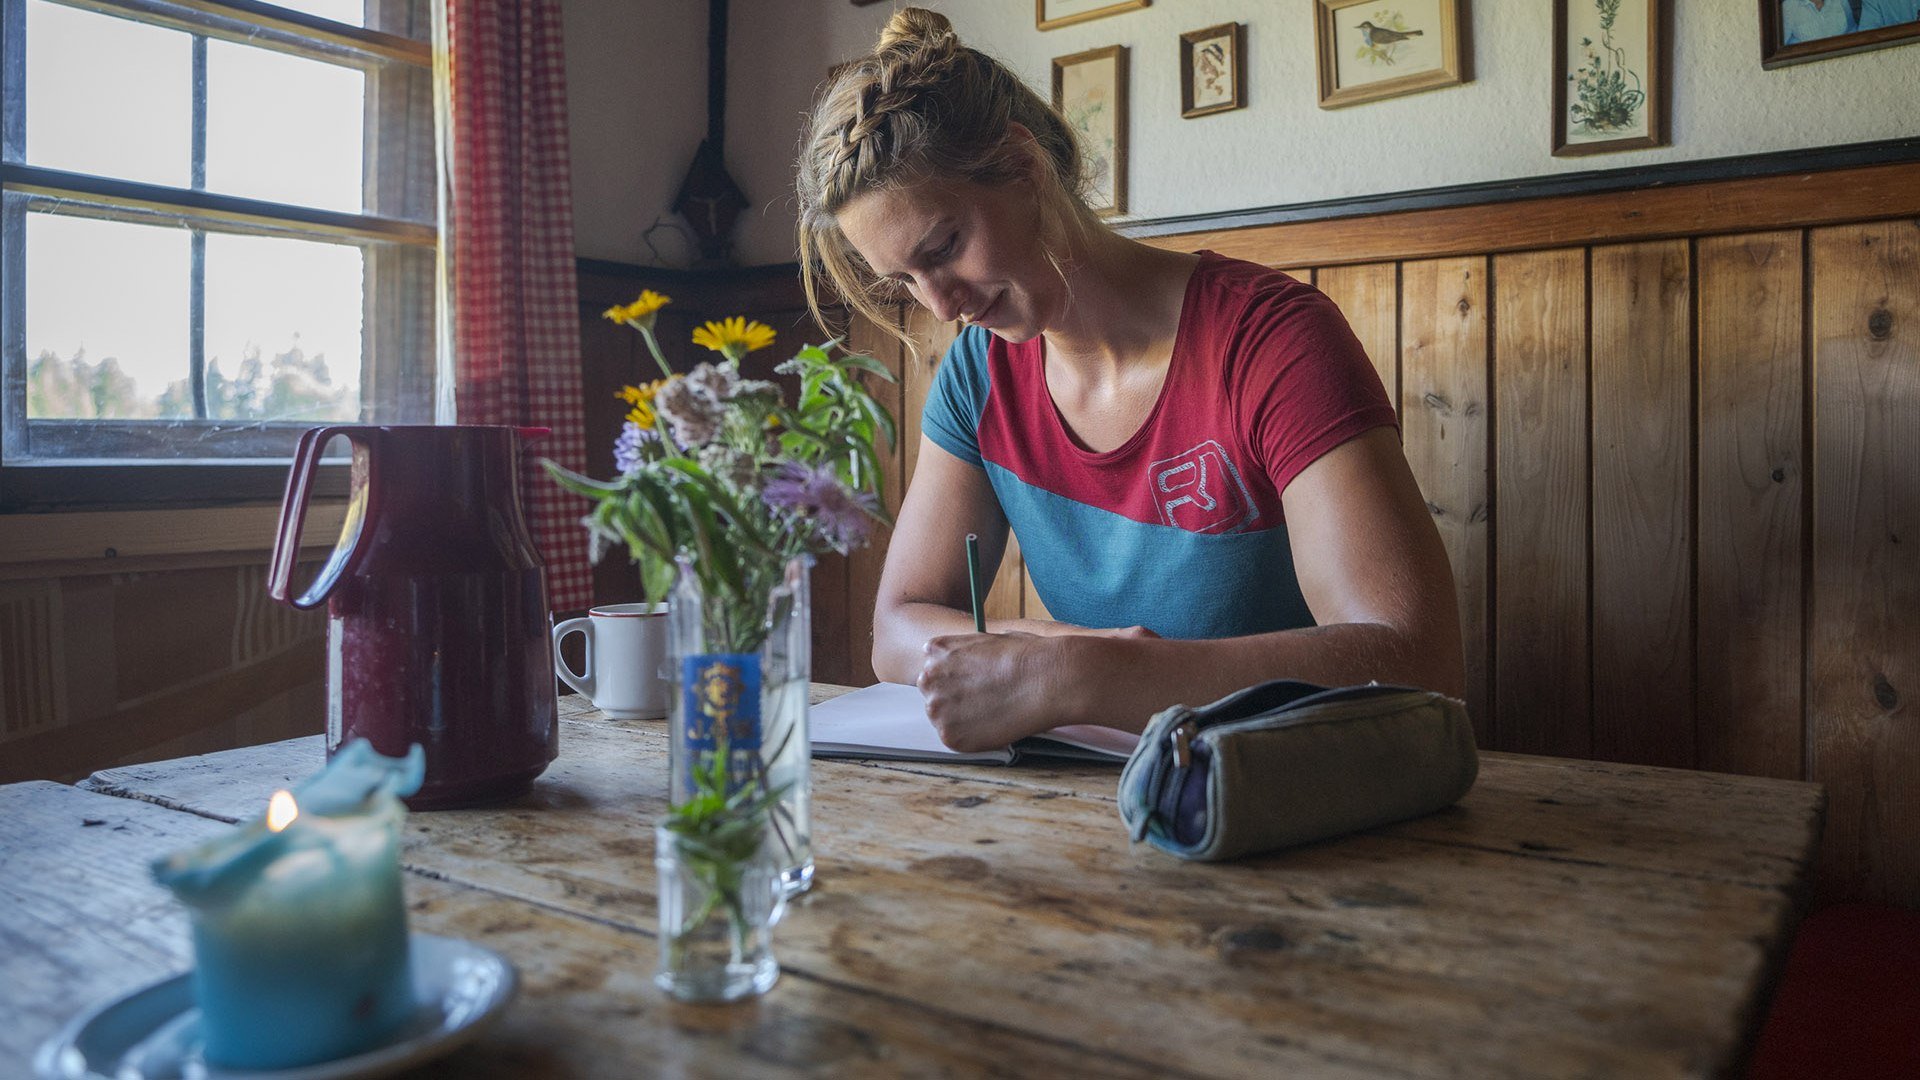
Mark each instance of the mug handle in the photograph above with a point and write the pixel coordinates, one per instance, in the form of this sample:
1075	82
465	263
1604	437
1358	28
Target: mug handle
582	682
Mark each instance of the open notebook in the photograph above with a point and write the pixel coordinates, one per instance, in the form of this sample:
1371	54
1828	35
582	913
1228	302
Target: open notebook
887	720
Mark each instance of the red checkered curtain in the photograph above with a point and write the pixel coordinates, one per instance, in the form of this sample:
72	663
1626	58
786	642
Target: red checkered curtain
507	253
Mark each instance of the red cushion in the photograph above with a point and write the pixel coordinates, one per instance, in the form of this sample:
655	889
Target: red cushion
1849	1002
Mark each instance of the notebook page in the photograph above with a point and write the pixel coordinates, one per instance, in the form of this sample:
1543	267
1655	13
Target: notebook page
885	720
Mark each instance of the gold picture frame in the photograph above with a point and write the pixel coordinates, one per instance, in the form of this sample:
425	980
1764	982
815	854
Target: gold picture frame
1776	52
1635	63
1054	14
1213	63
1354	56
1090	92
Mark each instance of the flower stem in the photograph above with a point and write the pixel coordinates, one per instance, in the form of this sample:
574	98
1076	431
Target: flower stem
653	346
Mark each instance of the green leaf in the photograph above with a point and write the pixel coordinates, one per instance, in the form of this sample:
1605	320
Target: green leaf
868	364
583	485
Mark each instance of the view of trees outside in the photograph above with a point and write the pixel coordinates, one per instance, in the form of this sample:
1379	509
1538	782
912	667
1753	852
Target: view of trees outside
107	312
290	386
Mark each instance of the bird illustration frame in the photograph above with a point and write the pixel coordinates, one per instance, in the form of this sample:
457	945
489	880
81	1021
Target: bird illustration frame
1610	86
1090	92
1213	70
1361	62
1876	28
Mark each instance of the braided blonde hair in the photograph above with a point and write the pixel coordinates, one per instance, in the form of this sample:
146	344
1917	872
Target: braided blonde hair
921	106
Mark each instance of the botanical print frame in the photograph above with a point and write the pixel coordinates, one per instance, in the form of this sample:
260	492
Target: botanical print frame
1876	24
1090	91
1213	70
1416	45
1609	75
1053	14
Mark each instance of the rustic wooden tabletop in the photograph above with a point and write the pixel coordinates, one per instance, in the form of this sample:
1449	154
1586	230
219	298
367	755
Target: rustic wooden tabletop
1568	918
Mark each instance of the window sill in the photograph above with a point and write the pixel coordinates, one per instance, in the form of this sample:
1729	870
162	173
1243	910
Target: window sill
75	485
50	545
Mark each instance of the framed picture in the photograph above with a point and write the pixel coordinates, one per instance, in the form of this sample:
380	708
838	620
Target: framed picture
1090	90
1053	14
1796	31
1373	49
1609	76
1213	66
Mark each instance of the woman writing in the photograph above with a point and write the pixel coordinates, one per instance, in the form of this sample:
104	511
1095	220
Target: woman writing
1197	458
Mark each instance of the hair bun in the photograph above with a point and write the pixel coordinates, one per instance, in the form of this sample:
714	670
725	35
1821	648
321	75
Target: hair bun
917	28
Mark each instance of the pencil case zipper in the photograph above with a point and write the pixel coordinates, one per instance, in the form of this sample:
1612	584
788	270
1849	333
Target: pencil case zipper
1193	738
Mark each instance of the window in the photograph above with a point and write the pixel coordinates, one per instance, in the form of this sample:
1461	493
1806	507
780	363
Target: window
217	230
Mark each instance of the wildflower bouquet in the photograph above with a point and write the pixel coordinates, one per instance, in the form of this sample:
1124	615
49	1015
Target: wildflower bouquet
724	488
719	468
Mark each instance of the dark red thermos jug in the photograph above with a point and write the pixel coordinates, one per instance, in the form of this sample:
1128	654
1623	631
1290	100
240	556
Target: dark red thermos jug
437	621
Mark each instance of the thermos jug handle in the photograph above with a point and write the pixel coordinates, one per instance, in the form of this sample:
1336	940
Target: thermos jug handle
363	507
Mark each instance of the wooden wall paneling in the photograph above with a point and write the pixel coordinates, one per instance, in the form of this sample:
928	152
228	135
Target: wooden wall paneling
1369	296
1444	424
1641	361
863	568
1540	673
1653	213
1300	273
1750	522
1864	647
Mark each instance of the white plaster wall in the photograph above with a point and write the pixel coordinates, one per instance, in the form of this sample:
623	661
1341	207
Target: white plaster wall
1283	148
636	73
636	110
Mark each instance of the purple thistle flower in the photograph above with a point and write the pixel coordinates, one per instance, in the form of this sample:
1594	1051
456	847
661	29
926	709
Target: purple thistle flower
815	494
626	448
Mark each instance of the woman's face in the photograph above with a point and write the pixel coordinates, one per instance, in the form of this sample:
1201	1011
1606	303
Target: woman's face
962	250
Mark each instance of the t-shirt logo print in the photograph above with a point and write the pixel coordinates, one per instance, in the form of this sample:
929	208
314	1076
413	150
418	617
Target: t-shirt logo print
1200	491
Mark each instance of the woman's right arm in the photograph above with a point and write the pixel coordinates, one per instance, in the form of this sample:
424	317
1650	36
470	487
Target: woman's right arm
923	589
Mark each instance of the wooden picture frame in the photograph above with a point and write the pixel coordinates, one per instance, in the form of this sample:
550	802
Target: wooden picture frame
1353	66
1090	91
1598	75
1776	25
1054	14
1214	62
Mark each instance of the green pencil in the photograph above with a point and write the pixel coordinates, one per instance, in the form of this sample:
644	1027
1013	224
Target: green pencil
973	582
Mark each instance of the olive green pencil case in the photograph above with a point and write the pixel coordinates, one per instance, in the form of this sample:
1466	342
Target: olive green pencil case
1287	762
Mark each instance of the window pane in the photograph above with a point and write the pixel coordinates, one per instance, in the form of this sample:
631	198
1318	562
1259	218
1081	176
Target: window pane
283	329
108	96
106	320
283	128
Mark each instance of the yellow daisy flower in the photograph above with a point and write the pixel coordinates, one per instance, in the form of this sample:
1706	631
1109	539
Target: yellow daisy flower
641	311
641	398
734	338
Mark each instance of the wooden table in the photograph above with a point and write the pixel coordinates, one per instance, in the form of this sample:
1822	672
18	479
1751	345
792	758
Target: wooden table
1567	919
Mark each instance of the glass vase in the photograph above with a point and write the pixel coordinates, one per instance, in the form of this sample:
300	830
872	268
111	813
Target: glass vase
740	651
716	918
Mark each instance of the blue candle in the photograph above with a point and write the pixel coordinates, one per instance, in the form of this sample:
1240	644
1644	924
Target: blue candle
299	924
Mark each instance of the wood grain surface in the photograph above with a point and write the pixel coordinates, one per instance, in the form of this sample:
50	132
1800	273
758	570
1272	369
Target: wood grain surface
1567	918
1444	424
1542	591
1641	353
1752	483
1864	647
1730	206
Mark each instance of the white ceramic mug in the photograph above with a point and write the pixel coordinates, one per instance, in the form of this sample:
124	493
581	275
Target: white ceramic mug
626	657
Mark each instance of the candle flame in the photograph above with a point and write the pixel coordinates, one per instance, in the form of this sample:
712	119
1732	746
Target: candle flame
281	810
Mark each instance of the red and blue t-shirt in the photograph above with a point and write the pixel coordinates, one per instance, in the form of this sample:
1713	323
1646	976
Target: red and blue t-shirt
1179	529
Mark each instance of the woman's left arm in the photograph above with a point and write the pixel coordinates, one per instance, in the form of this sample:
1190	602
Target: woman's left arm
1372	569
